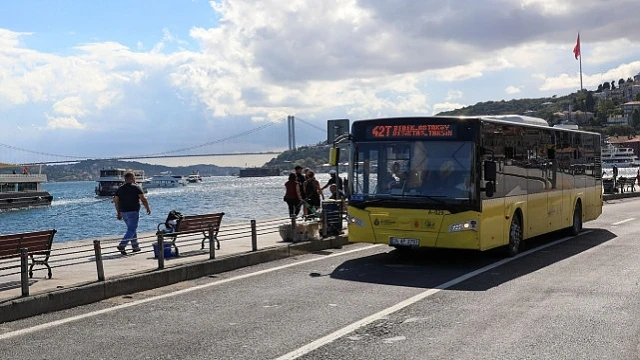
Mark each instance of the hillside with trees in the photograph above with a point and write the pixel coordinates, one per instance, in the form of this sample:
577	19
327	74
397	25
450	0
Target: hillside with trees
90	169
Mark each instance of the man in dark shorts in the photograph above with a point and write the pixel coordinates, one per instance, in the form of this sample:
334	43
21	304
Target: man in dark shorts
127	202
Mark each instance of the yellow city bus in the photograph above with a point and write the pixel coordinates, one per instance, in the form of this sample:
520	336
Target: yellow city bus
469	182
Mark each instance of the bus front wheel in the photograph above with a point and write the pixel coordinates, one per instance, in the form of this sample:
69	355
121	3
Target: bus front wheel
515	236
577	220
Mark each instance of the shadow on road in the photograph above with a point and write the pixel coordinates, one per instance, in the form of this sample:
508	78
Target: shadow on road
429	268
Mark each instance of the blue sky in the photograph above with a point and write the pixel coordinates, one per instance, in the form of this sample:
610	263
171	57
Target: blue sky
60	25
122	78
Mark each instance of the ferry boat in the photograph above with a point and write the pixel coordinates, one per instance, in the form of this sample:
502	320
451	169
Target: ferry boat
166	180
23	190
618	156
111	179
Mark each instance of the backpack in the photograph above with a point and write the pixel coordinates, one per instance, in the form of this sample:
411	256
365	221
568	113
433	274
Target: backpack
172	220
309	188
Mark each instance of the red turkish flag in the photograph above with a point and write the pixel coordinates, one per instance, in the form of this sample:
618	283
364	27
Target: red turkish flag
576	49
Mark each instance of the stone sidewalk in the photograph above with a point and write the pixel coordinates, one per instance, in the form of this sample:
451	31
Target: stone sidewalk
75	277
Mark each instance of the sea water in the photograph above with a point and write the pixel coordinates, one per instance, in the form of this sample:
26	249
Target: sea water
78	214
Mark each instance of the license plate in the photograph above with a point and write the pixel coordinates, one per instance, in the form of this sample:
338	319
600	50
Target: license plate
405	242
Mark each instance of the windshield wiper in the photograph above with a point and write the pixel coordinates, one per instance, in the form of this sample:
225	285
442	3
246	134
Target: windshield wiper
434	198
403	197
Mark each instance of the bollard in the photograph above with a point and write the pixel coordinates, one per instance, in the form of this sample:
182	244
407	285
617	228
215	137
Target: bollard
254	236
24	277
294	229
160	249
98	250
212	248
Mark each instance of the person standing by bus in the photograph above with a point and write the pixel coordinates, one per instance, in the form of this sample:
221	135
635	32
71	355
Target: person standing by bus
127	203
312	192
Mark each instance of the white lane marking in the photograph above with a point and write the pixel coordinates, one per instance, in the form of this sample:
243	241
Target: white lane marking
412	300
52	324
623	221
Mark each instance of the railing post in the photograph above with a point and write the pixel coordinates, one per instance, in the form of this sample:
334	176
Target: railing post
325	222
160	249
254	236
212	245
24	277
294	230
98	250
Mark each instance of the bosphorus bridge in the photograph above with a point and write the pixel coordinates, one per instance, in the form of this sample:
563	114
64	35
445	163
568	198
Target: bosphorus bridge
14	156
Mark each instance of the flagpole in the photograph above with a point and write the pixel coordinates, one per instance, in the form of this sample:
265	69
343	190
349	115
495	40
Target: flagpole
580	72
578	54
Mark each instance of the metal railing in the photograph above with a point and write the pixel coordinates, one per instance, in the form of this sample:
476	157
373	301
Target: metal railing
77	254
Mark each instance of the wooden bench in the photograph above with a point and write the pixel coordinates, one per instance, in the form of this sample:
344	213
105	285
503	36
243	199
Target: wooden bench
207	225
626	184
38	243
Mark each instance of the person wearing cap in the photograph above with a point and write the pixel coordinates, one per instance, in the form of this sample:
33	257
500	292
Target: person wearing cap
334	179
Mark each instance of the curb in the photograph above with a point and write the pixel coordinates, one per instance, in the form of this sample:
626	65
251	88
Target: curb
92	292
616	196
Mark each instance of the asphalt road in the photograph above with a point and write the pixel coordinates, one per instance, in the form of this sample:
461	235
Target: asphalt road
565	298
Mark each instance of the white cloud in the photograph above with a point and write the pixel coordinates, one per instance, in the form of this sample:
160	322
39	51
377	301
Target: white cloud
358	58
446	106
63	122
453	95
512	90
70	106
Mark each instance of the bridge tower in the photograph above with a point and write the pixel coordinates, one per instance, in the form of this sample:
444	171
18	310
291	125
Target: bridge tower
291	122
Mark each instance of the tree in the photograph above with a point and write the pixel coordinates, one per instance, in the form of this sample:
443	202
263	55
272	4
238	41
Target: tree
606	86
637	98
620	82
599	88
620	130
613	85
603	110
590	102
635	118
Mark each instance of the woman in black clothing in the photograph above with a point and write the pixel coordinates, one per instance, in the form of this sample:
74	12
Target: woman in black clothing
312	191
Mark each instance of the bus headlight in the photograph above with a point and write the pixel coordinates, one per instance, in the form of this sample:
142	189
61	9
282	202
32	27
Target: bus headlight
464	226
352	220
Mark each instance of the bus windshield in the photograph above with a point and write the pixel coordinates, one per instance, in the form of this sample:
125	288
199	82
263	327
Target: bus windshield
425	171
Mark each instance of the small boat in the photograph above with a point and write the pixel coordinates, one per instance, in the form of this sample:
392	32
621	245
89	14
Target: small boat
111	179
23	190
182	180
165	180
194	177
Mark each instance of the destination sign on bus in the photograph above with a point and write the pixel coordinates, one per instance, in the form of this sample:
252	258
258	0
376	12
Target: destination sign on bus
411	131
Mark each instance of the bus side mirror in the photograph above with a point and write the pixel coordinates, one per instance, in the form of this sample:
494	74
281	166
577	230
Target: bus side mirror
490	188
334	156
490	170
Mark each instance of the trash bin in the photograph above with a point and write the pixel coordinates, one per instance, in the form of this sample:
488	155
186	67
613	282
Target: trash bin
607	185
332	217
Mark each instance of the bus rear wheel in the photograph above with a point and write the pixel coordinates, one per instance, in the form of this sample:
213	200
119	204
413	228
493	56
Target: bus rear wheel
515	236
577	220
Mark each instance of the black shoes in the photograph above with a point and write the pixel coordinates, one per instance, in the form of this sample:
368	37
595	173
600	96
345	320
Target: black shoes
122	251
136	249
